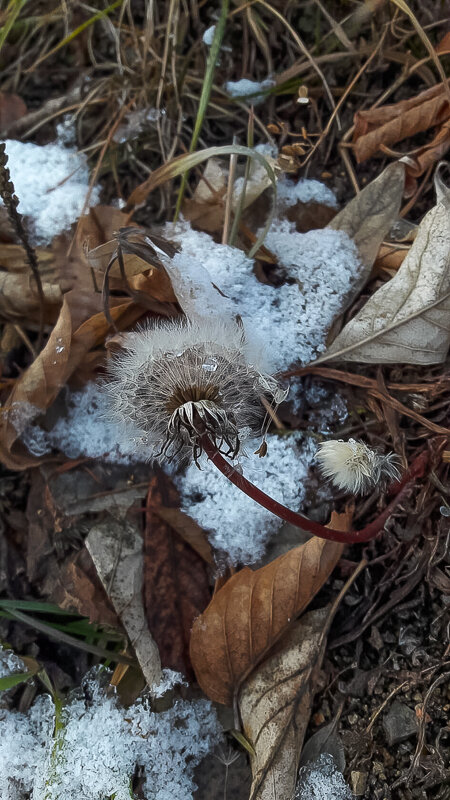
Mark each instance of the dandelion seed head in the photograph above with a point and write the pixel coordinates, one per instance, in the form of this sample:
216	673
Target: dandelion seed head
355	467
175	381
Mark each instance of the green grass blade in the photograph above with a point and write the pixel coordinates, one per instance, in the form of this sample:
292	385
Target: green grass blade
13	10
67	639
206	93
36	605
8	681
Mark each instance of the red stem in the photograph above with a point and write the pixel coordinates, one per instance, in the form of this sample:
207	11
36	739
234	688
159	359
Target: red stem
371	530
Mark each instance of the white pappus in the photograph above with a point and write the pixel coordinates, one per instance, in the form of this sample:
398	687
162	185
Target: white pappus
355	467
176	381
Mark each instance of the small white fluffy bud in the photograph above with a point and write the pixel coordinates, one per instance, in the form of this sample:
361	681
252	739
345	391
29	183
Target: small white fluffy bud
354	467
176	381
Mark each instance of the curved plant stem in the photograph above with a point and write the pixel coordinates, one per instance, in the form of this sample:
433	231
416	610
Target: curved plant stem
371	530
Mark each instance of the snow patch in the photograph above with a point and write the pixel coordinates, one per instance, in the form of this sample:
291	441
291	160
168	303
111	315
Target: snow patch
239	526
292	319
85	430
250	89
10	663
208	35
305	191
52	183
322	781
101	746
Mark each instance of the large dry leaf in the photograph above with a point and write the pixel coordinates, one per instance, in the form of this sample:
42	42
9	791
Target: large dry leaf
407	319
176	586
275	706
248	615
368	218
116	550
393	123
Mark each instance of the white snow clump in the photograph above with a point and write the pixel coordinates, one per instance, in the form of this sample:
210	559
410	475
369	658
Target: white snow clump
52	183
322	781
10	663
208	35
239	526
101	746
250	89
292	319
306	190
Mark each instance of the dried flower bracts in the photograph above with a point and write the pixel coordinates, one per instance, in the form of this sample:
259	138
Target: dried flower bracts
354	467
179	381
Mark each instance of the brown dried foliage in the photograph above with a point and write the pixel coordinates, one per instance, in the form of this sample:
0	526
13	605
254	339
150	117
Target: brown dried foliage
176	587
249	614
383	127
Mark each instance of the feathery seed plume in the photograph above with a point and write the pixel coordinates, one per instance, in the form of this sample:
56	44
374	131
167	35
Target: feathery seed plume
177	381
355	467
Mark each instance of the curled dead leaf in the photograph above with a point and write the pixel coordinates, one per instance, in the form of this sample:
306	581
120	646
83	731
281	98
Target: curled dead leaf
275	706
387	125
368	218
407	319
39	385
116	550
254	608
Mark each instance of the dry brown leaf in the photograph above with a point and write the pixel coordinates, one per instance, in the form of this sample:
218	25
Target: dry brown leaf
253	610
176	586
275	706
116	549
368	218
390	258
206	209
12	108
443	47
407	319
19	299
79	588
393	123
40	384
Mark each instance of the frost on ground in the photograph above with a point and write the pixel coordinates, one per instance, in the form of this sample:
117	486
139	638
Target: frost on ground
239	526
100	747
52	183
322	781
293	319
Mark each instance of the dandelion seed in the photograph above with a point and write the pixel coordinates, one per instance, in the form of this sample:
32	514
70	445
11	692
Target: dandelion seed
178	381
354	467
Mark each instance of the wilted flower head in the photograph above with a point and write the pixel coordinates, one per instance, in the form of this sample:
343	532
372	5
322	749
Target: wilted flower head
354	467
176	381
